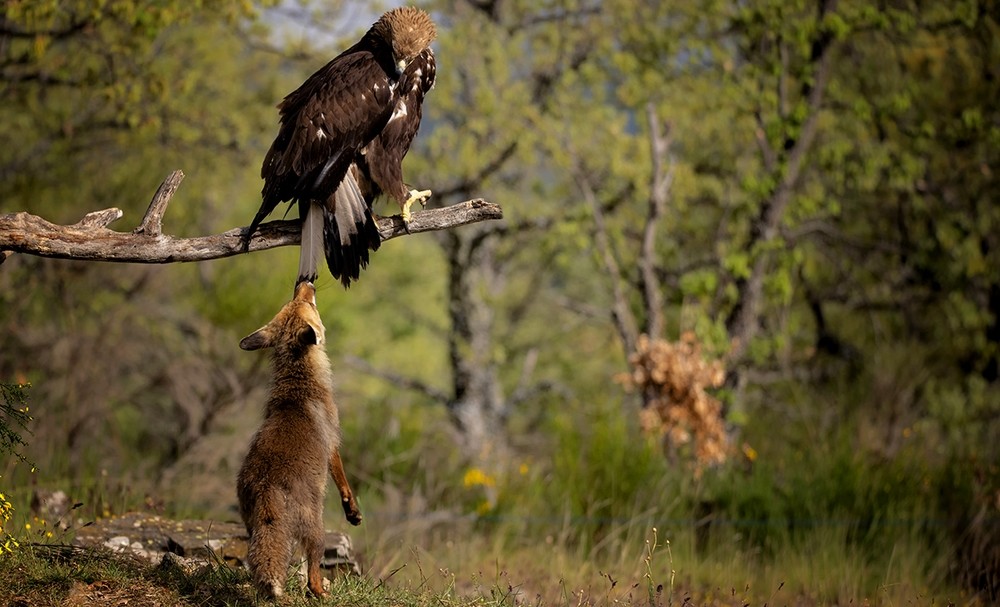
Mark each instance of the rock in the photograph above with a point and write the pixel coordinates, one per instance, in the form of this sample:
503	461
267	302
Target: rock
338	554
52	506
193	543
118	543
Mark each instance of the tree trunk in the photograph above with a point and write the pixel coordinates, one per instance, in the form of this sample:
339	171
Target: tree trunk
477	405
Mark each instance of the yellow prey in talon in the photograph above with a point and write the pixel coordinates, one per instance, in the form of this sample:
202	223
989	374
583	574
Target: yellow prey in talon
420	196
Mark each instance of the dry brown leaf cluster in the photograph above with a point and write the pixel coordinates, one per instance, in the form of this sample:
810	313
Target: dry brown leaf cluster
673	377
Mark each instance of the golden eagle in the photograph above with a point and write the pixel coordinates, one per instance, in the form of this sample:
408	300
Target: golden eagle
342	140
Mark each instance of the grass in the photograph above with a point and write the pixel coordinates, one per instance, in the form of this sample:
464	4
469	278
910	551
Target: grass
50	575
507	559
482	569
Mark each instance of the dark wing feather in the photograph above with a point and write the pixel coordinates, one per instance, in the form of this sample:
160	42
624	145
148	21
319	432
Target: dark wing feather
324	124
381	161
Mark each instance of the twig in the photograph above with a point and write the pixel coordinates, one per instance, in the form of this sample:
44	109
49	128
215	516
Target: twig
152	222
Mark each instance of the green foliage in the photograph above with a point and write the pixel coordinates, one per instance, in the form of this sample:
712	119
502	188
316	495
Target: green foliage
601	475
875	503
966	417
834	497
14	418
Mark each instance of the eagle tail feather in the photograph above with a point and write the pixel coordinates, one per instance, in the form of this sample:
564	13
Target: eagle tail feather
312	238
350	232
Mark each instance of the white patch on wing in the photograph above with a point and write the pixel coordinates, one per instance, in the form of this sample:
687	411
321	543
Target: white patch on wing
400	111
320	134
326	169
363	98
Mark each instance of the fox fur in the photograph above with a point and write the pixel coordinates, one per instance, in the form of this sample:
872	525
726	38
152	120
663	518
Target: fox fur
282	483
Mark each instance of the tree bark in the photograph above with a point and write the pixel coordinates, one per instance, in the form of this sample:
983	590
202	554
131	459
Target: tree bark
91	240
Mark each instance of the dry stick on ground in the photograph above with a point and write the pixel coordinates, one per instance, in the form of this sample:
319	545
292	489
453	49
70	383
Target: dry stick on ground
91	240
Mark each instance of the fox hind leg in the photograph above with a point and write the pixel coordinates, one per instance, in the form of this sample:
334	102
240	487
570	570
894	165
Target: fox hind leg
313	545
269	549
268	554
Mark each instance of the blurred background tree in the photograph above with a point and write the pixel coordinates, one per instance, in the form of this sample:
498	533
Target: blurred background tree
801	193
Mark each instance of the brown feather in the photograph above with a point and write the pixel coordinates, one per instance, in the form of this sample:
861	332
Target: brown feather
381	161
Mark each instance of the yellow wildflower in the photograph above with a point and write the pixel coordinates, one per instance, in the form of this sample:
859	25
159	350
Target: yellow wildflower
475	476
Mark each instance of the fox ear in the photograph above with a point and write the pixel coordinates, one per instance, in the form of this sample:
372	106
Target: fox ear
256	340
311	336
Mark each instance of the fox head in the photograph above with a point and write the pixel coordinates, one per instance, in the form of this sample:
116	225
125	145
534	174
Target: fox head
296	326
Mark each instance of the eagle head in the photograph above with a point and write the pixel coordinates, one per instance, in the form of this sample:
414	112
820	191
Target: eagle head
408	31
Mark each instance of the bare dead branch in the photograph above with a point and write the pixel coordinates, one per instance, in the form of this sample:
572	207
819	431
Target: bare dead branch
91	240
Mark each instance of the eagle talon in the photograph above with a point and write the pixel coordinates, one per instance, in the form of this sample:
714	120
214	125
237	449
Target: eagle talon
420	196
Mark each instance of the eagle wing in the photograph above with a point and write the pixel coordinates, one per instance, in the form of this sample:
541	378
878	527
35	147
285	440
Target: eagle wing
324	124
381	161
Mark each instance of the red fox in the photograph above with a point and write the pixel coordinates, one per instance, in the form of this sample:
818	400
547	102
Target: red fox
282	482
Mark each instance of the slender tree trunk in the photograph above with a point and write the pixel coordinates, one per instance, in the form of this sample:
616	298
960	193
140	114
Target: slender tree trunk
477	405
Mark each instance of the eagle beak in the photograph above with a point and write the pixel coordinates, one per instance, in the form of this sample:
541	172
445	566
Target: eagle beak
400	67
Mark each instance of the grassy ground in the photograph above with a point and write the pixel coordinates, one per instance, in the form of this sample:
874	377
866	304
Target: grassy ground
651	569
469	575
512	554
50	575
